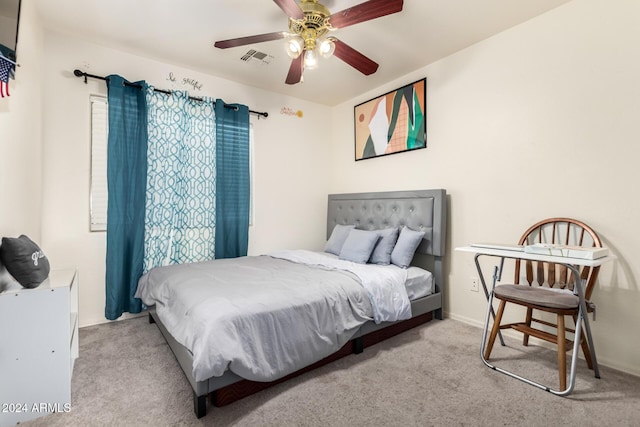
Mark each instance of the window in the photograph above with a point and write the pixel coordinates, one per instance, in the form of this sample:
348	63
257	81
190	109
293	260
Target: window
99	136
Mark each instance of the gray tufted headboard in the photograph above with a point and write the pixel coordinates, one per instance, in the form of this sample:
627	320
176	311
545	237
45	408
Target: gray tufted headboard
420	210
423	210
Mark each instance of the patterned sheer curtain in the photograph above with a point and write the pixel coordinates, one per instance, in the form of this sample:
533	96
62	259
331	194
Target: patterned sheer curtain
180	222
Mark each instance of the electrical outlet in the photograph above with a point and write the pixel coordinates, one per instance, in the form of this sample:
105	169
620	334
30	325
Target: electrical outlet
474	284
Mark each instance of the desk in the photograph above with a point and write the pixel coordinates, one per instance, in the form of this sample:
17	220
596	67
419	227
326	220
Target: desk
571	263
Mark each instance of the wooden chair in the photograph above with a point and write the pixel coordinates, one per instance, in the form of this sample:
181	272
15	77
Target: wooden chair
540	292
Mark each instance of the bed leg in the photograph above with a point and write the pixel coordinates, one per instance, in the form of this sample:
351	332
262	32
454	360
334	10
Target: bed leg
438	314
358	345
200	405
151	319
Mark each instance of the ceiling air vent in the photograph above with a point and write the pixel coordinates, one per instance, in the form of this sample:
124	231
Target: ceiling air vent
254	56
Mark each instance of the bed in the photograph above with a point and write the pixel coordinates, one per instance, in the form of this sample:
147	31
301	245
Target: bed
355	312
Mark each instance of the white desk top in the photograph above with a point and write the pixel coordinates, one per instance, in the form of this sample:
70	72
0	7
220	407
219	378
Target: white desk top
504	253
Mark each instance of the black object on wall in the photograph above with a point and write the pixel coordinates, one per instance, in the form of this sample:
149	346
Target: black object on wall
9	22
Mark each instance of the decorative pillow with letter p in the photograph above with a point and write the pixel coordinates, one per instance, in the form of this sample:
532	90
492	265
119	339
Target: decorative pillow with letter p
24	260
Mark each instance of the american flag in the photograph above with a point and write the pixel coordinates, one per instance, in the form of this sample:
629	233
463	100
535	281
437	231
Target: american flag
6	69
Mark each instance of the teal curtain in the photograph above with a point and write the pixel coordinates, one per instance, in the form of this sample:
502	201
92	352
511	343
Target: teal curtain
232	180
126	183
180	224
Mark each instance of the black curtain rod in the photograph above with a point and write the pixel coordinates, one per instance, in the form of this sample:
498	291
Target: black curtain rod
79	73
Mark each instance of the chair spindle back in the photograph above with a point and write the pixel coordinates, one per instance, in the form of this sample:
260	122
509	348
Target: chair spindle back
564	231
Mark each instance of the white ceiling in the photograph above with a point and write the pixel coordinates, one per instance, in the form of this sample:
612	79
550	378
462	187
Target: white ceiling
182	32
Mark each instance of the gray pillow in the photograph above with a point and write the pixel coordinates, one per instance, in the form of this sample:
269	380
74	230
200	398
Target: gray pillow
337	238
406	246
382	252
359	245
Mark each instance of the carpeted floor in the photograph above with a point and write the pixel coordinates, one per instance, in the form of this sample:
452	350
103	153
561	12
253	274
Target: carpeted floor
431	375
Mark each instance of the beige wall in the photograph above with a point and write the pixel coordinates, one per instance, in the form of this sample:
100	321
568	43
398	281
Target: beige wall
20	135
290	183
538	121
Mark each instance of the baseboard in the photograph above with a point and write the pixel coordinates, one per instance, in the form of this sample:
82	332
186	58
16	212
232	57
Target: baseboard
125	316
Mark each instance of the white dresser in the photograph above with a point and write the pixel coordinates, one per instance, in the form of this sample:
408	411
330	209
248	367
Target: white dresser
38	347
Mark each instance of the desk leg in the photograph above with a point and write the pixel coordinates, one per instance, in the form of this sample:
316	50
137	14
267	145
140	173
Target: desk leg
486	293
585	318
485	329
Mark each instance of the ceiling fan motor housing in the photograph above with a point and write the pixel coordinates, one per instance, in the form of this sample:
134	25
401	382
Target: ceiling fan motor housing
314	24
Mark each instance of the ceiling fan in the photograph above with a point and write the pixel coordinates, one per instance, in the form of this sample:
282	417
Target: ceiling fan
310	24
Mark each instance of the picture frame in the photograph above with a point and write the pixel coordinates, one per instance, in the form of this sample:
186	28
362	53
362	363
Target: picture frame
392	123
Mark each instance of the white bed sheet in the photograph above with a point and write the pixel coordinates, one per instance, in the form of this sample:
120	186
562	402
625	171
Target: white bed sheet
419	283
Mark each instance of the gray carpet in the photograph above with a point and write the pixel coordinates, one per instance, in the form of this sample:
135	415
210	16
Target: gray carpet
431	375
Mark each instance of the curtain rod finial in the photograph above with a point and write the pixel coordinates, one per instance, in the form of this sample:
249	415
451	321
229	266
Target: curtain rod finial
79	73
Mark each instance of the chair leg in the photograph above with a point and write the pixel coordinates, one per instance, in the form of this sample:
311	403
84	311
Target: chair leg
585	346
562	353
494	329
527	321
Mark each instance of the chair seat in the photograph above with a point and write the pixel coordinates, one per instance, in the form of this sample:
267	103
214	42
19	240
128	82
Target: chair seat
543	297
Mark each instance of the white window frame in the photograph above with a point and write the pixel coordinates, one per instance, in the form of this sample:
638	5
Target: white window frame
251	174
98	195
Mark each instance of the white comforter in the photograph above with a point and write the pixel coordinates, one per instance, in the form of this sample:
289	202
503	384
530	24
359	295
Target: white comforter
265	317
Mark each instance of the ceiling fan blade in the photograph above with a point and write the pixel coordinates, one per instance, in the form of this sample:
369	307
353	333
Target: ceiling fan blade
354	58
241	41
295	71
366	11
291	8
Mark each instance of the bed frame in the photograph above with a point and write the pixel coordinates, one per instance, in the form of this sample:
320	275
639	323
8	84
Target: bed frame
424	210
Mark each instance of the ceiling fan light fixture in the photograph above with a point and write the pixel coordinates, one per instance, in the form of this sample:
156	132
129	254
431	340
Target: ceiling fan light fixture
310	59
326	47
294	46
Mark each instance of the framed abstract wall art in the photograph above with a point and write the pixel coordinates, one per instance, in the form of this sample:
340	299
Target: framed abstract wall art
392	123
